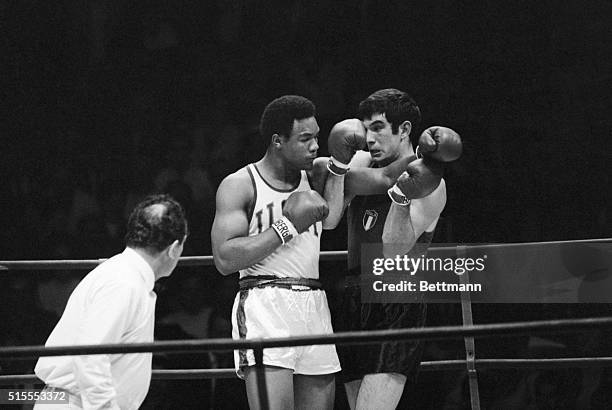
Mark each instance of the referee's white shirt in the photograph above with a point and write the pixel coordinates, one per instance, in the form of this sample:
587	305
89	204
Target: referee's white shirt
114	303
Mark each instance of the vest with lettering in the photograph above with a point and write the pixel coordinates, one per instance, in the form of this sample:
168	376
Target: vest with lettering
366	220
299	258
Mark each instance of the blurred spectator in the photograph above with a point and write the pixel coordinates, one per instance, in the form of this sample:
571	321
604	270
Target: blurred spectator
189	309
53	290
184	179
92	240
22	320
140	181
180	165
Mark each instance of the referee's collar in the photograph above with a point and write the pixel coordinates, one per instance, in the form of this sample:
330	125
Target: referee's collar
142	266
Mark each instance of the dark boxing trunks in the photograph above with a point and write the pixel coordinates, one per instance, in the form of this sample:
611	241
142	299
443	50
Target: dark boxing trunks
389	357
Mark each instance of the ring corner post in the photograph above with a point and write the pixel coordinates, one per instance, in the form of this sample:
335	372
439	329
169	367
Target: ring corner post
470	346
261	377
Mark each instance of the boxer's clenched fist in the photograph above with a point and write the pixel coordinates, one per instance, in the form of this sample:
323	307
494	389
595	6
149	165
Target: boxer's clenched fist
346	138
304	208
440	143
421	178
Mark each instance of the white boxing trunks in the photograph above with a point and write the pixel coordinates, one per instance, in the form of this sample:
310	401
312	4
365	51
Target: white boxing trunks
271	312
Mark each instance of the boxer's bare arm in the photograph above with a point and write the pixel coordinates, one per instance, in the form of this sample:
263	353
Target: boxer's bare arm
232	248
318	175
363	180
360	180
336	193
404	224
318	178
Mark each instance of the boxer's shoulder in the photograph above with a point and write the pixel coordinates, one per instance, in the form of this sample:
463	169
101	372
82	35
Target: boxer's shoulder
237	185
240	176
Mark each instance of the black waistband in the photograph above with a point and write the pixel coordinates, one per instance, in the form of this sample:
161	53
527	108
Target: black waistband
274	281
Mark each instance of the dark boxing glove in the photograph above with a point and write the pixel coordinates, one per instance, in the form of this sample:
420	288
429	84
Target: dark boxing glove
440	143
421	178
300	211
345	138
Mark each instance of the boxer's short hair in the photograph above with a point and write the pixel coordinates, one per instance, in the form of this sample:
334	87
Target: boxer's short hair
397	106
155	223
278	116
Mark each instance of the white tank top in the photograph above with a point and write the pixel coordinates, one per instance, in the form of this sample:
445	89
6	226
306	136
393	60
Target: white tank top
299	258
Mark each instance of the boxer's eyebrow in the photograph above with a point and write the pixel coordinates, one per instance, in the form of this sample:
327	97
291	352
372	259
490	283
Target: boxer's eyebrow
376	123
308	133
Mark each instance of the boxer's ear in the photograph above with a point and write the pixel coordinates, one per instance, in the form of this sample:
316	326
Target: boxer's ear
276	140
404	129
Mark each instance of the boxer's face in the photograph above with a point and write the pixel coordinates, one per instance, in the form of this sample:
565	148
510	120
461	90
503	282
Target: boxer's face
301	147
384	145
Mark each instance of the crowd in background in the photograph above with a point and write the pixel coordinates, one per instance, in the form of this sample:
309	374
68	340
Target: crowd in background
113	100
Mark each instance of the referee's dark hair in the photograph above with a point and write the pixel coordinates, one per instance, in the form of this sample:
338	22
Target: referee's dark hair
155	223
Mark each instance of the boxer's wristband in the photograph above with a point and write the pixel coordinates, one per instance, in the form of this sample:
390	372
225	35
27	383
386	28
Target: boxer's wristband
336	167
285	229
397	196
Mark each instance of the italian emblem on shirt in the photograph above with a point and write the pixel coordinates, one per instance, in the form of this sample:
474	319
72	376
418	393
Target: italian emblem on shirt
369	219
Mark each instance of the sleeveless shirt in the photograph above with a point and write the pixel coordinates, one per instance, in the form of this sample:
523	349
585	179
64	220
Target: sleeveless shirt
299	258
366	220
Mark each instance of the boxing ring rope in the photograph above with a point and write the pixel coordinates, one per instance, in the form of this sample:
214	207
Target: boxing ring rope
428	333
361	337
439	365
92	263
208	260
468	331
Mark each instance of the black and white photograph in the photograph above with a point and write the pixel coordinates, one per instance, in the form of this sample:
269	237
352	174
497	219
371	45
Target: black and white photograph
347	205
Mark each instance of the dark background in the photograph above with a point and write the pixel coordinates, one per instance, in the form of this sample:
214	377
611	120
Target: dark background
106	101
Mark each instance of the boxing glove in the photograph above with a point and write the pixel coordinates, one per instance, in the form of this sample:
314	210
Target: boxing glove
440	143
421	178
304	208
345	138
